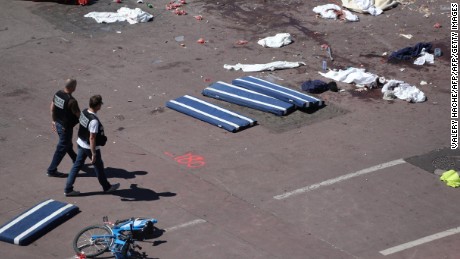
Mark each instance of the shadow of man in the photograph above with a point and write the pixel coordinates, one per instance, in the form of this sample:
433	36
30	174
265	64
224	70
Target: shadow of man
136	193
112	173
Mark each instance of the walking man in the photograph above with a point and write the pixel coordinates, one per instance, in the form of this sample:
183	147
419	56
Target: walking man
64	113
90	139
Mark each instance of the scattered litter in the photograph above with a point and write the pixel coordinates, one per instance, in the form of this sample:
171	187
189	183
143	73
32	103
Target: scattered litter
402	69
437	25
241	42
175	4
149	5
328	50
277	41
373	7
132	16
198	17
118	31
437	52
423	82
318	86
261	67
451	178
389	96
140	1
424	58
201	41
179	38
407	36
384	54
357	76
410	52
404	91
180	11
332	11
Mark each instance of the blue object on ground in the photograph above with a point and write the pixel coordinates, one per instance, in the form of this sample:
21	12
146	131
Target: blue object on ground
277	91
36	222
210	113
244	97
410	52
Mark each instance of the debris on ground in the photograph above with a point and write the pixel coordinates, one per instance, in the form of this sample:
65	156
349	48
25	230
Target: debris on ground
357	76
262	67
332	11
241	42
277	41
318	86
403	91
410	52
424	57
407	36
451	178
132	16
373	7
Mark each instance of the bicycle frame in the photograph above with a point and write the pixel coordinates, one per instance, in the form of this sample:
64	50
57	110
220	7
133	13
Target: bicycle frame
122	237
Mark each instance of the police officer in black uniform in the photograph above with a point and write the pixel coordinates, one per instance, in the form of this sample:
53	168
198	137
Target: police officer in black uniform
91	138
65	113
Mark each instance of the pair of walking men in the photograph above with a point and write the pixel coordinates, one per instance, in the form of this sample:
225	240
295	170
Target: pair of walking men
65	115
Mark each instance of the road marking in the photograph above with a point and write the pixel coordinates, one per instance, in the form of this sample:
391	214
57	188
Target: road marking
190	223
420	241
339	179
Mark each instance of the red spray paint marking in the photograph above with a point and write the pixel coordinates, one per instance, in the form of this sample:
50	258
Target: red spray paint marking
189	159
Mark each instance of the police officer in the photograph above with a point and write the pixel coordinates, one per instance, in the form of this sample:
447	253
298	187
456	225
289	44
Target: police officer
90	139
65	113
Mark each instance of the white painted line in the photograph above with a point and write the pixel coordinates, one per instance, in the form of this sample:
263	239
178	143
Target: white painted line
339	179
188	224
420	241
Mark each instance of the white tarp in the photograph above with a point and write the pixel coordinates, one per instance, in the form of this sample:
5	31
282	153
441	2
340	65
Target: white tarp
373	7
123	14
332	11
403	91
277	41
261	67
358	76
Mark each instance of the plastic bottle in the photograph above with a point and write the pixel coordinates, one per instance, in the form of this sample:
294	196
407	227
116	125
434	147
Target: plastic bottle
324	65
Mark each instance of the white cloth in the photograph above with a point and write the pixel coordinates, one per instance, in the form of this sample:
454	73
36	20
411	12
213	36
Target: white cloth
93	127
261	67
277	41
358	76
404	91
329	11
424	57
373	7
123	14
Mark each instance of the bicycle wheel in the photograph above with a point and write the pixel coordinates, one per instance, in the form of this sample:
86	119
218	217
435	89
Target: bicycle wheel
93	240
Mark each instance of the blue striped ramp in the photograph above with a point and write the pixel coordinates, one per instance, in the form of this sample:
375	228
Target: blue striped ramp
277	91
244	97
36	221
210	113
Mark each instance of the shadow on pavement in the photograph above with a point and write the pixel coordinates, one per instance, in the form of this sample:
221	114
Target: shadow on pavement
134	194
111	172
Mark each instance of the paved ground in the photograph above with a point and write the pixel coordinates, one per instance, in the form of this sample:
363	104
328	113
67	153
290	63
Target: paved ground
271	191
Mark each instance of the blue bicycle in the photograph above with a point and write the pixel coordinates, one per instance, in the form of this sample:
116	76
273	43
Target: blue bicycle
118	237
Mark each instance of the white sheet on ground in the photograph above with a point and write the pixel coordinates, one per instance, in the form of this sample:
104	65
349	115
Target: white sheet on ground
261	67
330	11
358	76
123	14
404	91
373	7
277	41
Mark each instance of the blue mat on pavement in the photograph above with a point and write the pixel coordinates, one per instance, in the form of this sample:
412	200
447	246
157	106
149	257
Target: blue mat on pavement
244	97
36	221
277	91
210	113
